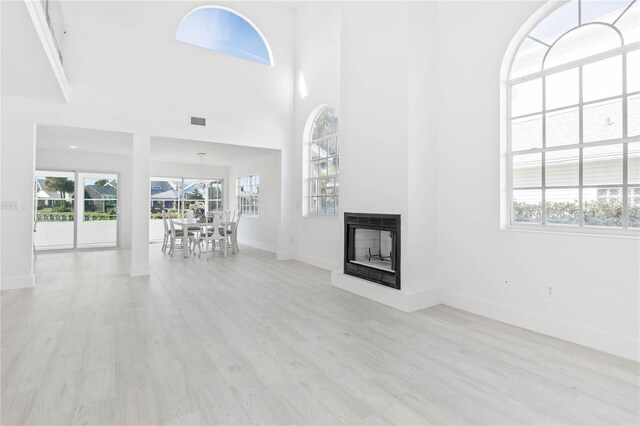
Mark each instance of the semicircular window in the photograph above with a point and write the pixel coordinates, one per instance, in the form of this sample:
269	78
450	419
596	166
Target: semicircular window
223	30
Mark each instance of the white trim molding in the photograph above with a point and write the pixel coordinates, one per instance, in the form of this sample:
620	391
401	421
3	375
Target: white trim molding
139	271
318	262
387	296
257	244
13	283
574	333
34	7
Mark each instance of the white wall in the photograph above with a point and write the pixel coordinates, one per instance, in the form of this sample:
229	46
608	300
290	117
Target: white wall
122	57
420	256
318	240
417	91
440	168
71	160
18	162
128	73
261	232
596	279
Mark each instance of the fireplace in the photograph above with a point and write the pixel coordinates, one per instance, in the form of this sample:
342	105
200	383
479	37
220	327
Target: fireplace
372	247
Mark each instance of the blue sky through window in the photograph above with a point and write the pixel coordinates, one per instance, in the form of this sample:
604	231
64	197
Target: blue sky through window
576	12
223	31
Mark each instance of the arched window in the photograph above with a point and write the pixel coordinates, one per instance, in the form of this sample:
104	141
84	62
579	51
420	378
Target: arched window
573	101
223	30
323	163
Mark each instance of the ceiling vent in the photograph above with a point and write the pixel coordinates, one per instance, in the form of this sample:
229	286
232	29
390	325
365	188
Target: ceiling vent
198	121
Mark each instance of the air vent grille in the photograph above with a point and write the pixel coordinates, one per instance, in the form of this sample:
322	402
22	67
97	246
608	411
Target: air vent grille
198	121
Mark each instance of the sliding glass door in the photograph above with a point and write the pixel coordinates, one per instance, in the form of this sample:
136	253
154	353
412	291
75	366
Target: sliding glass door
55	210
97	210
75	210
176	195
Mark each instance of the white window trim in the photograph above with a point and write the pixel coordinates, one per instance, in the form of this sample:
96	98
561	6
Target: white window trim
307	169
239	204
507	223
181	198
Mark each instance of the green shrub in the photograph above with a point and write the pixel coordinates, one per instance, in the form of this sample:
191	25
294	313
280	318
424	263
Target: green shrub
602	213
63	207
595	213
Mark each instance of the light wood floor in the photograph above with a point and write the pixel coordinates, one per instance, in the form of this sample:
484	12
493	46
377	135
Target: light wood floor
248	340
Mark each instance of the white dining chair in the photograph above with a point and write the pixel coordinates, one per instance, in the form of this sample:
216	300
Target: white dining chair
175	238
35	225
209	235
231	231
165	240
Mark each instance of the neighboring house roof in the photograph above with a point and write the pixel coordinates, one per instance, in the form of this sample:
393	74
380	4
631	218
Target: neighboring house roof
193	187
54	195
166	195
94	191
158	187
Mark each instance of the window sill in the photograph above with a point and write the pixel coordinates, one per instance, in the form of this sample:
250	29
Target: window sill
582	232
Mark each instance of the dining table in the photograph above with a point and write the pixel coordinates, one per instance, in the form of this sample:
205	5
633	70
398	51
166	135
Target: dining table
188	224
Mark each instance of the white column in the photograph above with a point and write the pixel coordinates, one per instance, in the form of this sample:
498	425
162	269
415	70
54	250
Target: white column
17	176
140	205
286	248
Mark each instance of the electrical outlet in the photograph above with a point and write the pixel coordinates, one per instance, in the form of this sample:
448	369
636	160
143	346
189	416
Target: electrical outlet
9	205
549	291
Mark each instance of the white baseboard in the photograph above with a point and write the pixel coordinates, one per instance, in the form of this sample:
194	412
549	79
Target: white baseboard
386	295
257	244
424	299
17	282
283	256
596	339
139	270
316	261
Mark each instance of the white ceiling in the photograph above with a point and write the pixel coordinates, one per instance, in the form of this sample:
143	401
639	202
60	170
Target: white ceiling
26	71
186	151
169	150
87	140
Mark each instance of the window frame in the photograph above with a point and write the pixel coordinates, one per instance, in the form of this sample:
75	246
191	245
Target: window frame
220	200
180	201
253	203
310	180
257	30
624	186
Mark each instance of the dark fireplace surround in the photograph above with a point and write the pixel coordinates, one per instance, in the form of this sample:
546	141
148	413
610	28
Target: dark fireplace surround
372	247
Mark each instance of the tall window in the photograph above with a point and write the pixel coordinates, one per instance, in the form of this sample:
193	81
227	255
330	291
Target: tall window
215	195
248	195
223	30
574	119
323	165
177	194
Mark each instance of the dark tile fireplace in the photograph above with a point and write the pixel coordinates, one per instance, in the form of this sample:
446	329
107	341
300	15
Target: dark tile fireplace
372	247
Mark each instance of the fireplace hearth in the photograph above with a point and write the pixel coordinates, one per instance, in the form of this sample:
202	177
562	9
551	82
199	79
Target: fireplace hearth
372	247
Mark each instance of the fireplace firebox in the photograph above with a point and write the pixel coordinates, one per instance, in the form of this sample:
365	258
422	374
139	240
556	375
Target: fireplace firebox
372	247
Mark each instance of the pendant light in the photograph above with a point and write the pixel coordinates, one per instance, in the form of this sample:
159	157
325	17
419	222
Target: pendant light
202	183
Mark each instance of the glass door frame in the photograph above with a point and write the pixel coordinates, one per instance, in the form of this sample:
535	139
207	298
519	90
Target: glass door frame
76	204
181	198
